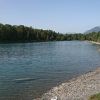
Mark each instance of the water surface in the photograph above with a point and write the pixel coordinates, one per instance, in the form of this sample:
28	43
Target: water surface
27	70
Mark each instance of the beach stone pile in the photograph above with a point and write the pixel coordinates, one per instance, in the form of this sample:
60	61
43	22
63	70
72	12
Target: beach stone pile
80	88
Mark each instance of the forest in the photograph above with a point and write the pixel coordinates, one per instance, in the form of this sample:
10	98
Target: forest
21	33
94	36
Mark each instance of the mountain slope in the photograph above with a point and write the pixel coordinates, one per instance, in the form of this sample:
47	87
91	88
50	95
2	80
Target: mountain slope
95	29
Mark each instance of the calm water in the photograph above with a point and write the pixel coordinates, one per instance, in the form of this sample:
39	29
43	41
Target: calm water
29	69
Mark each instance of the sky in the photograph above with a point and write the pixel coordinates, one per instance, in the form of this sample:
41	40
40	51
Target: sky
58	15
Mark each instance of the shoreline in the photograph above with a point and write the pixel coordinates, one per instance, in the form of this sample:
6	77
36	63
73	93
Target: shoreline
79	88
94	42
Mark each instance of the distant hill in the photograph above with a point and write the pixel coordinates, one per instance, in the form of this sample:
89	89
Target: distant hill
95	29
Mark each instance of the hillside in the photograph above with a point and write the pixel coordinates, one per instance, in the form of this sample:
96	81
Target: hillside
95	29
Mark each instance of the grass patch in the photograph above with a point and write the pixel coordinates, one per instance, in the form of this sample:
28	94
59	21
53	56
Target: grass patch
95	97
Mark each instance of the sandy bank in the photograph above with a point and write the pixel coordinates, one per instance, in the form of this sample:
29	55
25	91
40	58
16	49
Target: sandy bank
94	42
79	88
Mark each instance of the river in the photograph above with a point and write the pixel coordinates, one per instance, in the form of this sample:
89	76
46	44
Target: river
27	70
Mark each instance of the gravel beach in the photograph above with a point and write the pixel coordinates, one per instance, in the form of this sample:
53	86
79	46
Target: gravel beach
79	88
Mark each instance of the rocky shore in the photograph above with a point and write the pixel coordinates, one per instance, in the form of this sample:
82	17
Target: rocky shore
79	88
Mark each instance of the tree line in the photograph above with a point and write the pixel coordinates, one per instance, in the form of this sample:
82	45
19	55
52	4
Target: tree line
94	36
21	33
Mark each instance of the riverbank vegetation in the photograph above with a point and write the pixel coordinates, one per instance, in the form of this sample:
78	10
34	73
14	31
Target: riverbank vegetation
21	33
94	36
95	97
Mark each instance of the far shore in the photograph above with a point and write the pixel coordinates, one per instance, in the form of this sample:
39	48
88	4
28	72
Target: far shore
80	88
94	42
